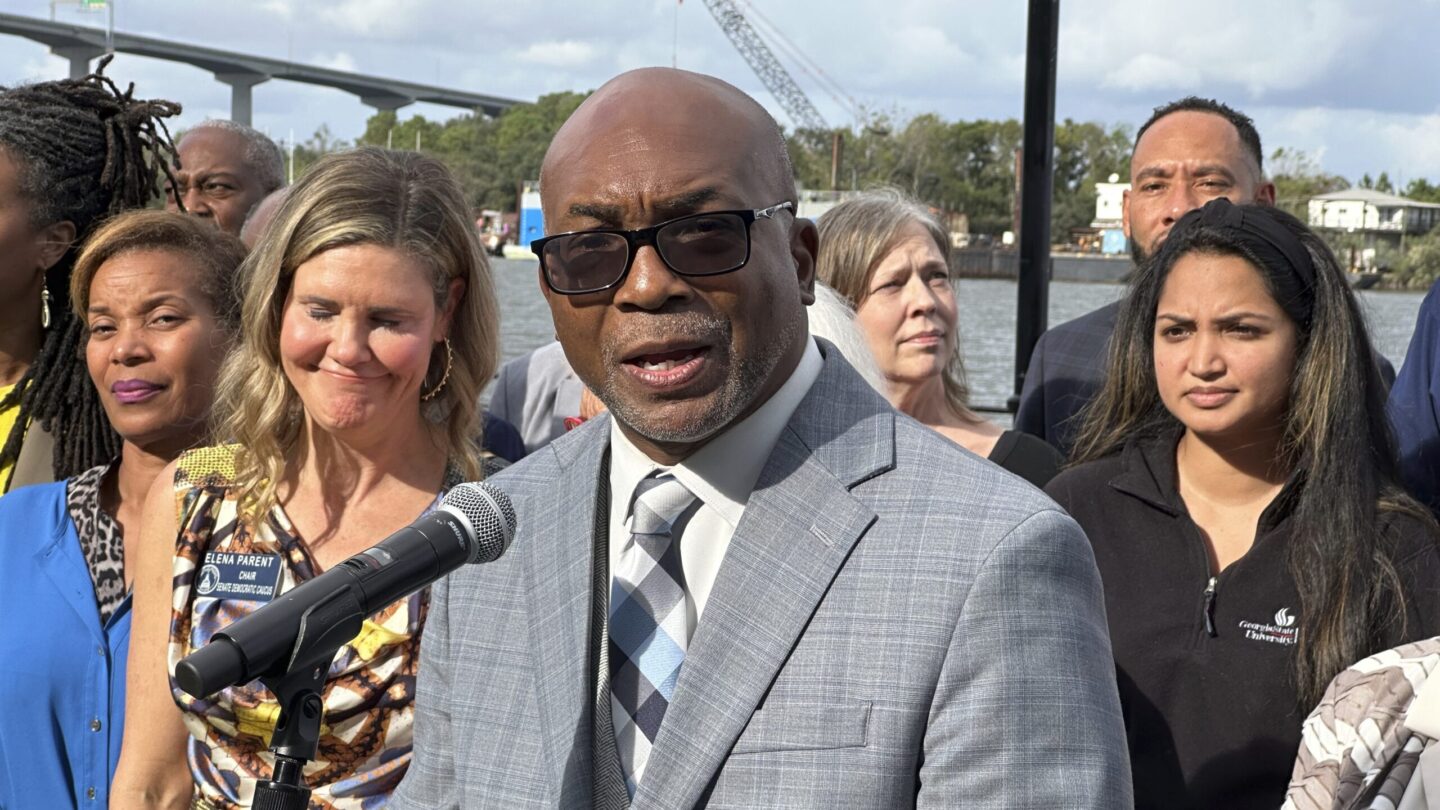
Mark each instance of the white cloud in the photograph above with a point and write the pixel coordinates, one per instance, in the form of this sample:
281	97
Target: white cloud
283	9
41	67
1351	142
386	18
568	53
1140	45
1147	71
1354	78
340	60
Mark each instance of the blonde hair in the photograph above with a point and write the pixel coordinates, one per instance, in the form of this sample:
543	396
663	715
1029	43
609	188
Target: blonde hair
215	253
366	196
856	235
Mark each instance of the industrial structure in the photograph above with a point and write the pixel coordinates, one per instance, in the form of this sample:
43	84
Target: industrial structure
80	45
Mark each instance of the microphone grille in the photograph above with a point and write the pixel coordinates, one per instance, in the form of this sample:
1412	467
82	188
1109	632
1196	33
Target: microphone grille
491	515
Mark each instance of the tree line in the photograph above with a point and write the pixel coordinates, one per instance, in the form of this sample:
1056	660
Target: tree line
957	167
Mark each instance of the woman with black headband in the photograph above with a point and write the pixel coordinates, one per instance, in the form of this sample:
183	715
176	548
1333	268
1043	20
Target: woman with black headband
1237	480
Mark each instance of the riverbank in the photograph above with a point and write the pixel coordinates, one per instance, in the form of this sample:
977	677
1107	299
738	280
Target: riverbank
987	320
1083	268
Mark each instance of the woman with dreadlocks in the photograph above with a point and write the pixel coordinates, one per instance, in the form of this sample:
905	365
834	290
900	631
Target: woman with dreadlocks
72	153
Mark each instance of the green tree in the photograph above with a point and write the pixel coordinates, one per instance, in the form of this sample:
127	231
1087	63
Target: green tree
1297	178
1085	154
1420	266
1422	190
490	157
310	150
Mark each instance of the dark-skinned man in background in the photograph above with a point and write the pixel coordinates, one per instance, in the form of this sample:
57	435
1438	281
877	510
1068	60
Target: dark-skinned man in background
224	170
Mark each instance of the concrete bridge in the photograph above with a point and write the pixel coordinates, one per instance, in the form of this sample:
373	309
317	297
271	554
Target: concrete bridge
240	71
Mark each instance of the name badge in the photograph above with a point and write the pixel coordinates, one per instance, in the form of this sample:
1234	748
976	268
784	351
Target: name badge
228	575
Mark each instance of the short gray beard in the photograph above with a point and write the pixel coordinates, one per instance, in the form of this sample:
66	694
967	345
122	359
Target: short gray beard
746	378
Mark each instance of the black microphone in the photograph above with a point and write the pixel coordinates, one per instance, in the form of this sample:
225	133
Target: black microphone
306	625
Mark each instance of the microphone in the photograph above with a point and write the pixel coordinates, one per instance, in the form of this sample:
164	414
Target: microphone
306	625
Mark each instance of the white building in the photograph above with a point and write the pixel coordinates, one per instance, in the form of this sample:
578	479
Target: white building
1109	204
1109	215
1363	209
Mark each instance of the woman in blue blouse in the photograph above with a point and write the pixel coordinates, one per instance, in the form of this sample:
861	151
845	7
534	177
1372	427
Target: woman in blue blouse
156	294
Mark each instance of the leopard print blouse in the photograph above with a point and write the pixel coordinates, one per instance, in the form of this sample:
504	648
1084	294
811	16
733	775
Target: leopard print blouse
100	538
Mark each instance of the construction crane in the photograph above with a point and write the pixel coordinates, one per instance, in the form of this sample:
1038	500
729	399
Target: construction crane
776	79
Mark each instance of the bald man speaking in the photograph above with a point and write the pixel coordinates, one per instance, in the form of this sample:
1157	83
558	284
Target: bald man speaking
752	583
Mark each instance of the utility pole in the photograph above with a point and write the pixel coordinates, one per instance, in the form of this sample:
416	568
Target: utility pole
1037	183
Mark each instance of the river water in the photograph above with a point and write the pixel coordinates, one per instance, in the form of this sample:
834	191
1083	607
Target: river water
987	320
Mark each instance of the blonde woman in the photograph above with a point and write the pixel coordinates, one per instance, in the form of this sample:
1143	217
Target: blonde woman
890	258
369	327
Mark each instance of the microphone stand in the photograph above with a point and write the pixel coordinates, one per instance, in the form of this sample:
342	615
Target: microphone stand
297	731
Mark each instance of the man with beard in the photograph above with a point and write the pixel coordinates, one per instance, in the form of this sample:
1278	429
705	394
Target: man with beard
752	582
1189	152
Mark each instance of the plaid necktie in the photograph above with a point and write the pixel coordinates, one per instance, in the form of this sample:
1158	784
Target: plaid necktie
649	622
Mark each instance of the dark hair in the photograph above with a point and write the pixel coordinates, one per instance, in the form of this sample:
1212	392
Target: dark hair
83	150
1244	126
214	252
1337	444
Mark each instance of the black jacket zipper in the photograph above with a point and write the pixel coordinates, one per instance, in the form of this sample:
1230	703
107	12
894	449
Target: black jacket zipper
1210	607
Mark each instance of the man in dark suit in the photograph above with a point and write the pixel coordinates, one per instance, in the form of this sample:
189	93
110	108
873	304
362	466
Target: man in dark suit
1189	152
751	583
536	392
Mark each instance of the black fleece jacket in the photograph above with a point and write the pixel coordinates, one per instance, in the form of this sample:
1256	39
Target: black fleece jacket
1203	659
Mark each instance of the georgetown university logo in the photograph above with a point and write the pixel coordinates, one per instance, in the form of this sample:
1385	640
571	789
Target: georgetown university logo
1282	630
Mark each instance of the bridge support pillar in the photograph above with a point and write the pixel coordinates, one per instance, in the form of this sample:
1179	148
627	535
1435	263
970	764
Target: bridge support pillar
79	56
386	102
241	84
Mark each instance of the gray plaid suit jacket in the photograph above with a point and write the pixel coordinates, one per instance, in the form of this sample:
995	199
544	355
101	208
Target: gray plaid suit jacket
535	392
897	623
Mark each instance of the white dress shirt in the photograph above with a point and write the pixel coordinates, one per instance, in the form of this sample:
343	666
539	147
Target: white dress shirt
721	475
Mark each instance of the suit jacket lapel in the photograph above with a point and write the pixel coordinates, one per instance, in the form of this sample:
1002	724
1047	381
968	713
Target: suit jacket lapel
799	527
559	582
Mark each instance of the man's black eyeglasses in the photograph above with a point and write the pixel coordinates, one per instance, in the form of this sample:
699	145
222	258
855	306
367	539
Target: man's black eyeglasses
705	244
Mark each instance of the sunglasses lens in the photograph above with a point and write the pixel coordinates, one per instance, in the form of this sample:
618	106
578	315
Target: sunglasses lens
583	262
704	245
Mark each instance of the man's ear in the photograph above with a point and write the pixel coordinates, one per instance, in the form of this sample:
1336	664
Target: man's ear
53	240
1125	212
804	248
1265	194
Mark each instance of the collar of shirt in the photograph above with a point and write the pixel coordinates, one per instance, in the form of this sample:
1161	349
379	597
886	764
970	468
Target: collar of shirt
724	471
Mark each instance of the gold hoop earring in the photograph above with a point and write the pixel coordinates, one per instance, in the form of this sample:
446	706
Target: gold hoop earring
444	378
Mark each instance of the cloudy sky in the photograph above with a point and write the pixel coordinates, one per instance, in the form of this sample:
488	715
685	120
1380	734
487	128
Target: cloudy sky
1354	83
